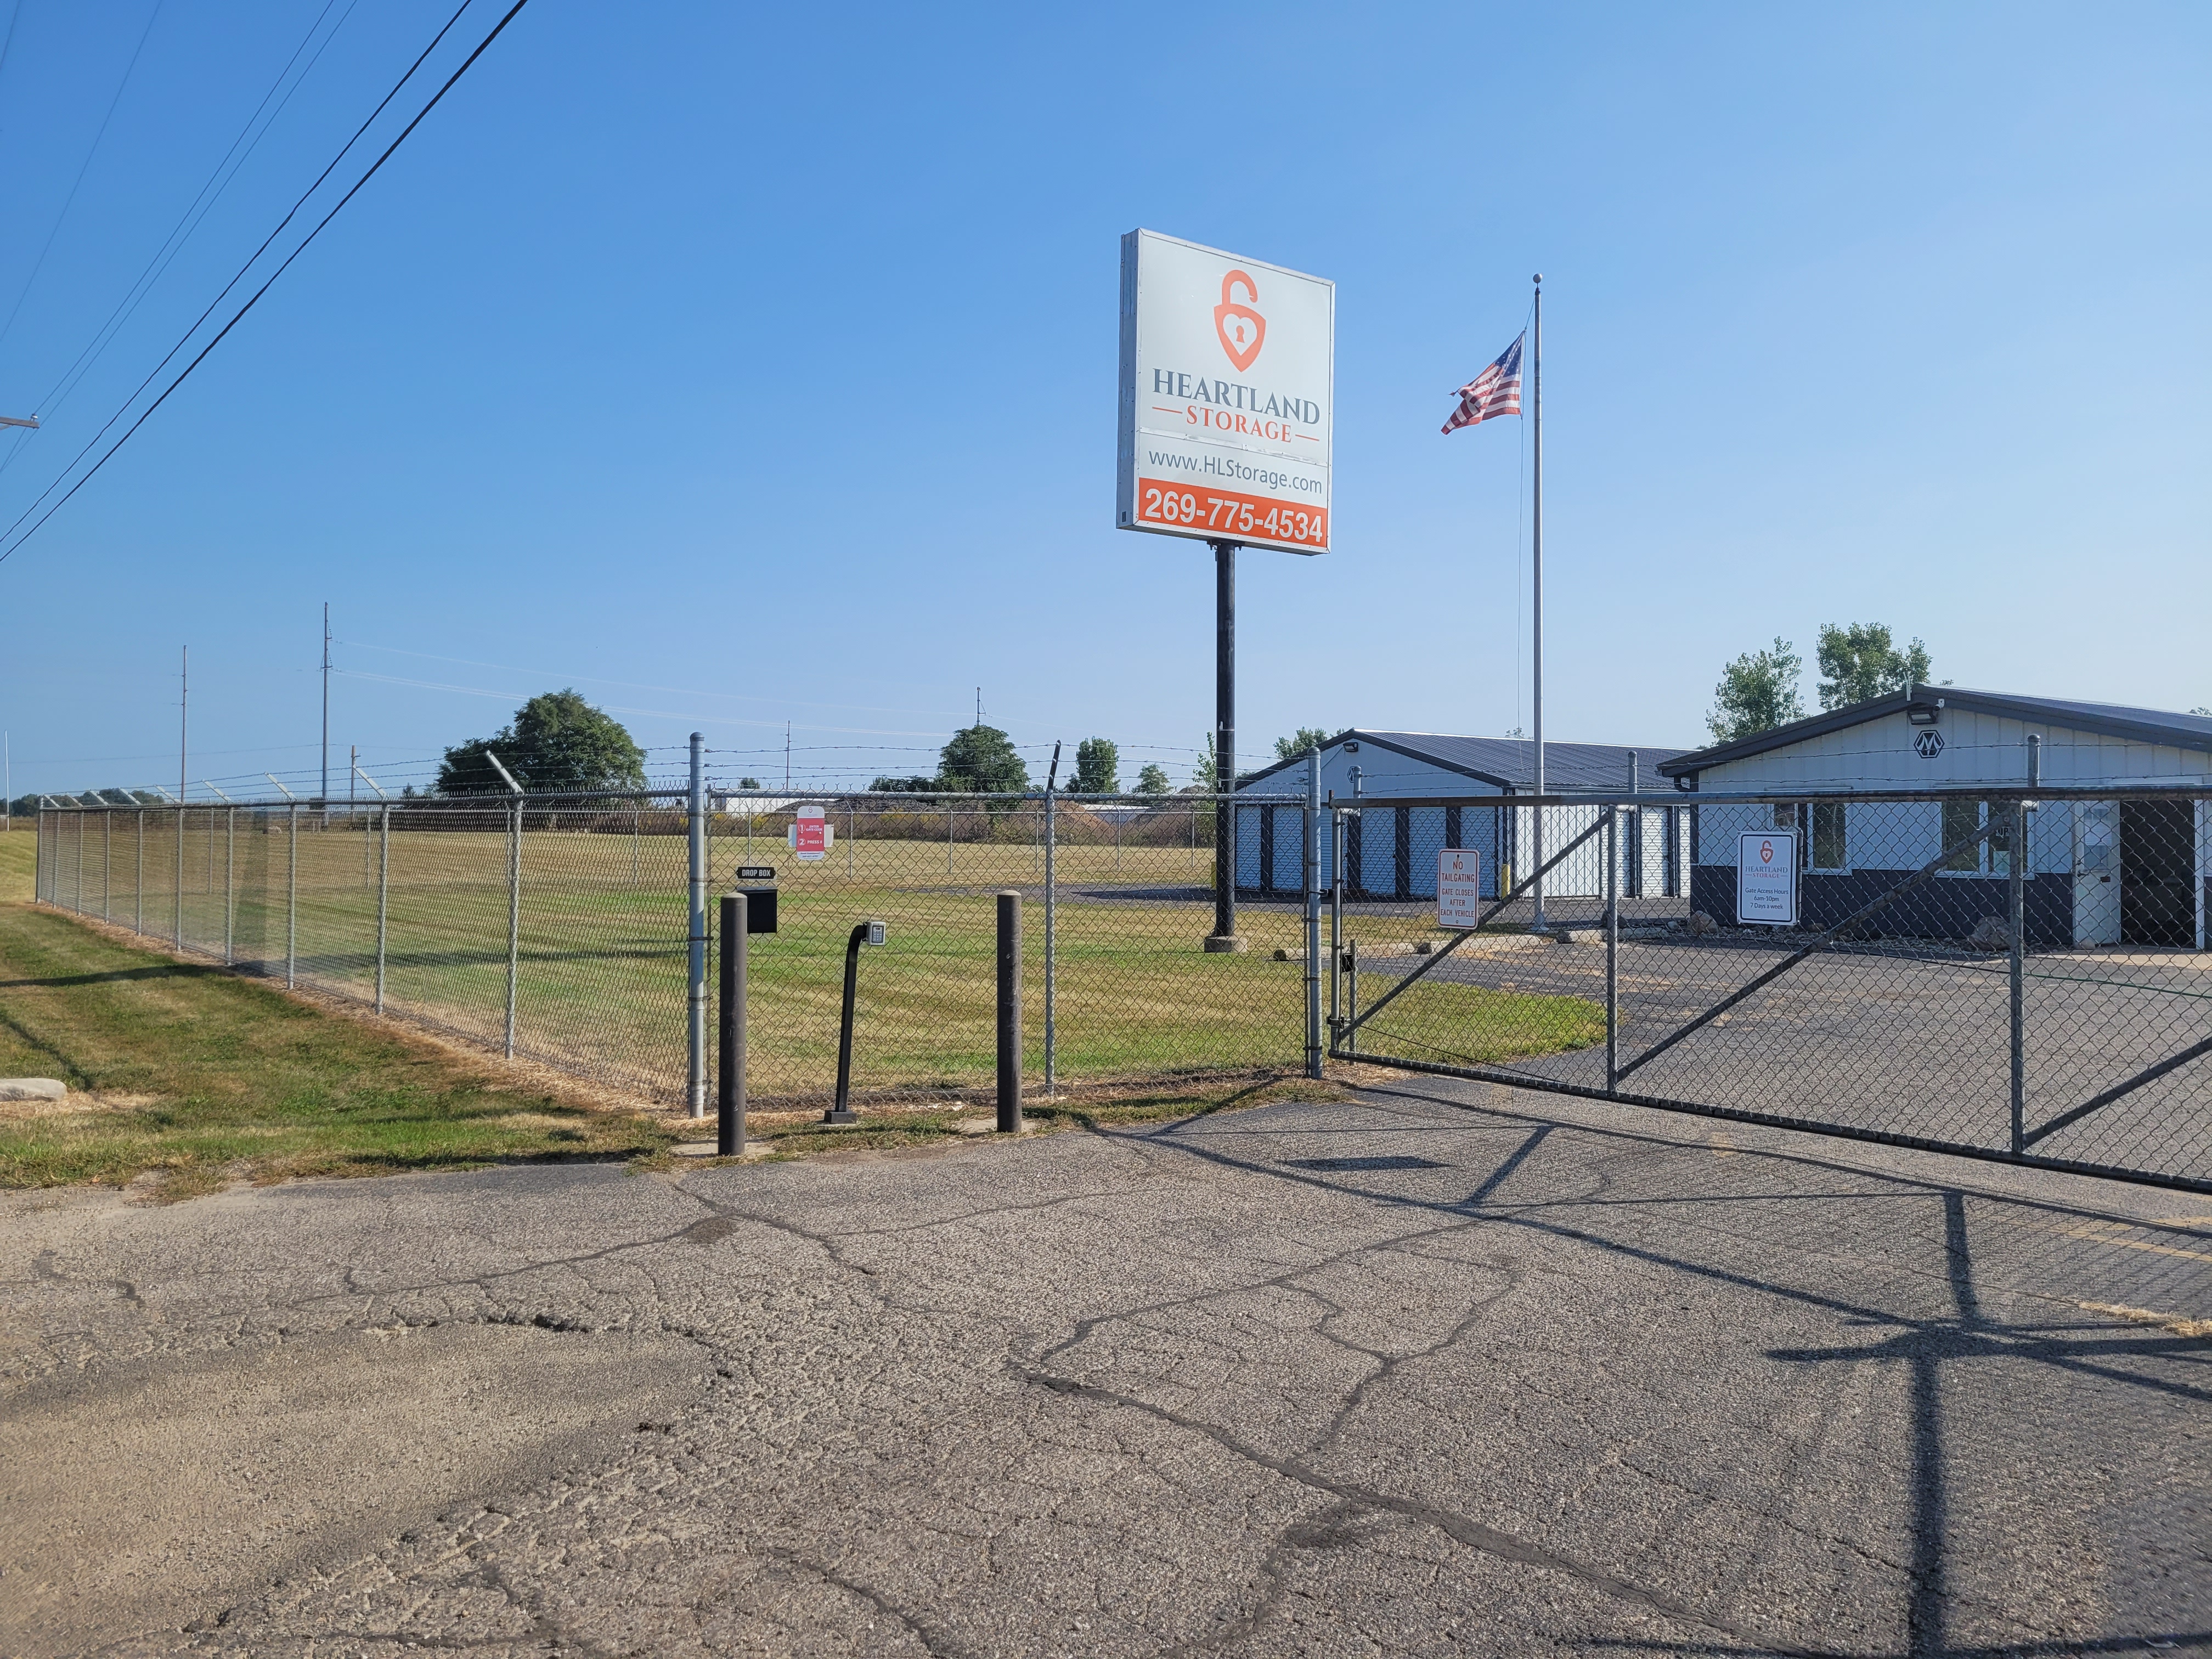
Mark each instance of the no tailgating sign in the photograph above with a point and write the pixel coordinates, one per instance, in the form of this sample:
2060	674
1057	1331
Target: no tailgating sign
1766	877
1228	396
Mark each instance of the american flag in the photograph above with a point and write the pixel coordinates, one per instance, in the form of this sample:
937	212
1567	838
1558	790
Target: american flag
1496	390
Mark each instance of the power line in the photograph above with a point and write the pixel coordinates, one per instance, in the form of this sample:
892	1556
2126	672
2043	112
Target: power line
469	63
187	222
69	201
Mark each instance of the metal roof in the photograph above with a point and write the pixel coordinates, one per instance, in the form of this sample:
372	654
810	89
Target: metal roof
2107	719
1506	762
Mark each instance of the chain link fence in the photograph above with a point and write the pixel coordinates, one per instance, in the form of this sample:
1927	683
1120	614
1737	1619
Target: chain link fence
558	928
2009	978
2017	979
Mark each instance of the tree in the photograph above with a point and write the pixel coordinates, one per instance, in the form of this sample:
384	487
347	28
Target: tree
980	760
1757	692
1302	742
748	783
1206	777
916	785
1859	664
1097	768
557	743
1152	782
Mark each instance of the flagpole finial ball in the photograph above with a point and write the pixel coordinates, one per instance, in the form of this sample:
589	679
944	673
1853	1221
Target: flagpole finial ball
1540	276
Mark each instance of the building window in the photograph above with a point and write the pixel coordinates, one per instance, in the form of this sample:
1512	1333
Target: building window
1828	847
1992	854
1960	819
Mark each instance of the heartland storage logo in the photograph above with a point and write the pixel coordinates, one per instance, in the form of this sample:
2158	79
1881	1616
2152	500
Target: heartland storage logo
1232	406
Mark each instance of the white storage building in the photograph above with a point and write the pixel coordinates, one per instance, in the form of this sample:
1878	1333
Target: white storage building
2119	872
1390	851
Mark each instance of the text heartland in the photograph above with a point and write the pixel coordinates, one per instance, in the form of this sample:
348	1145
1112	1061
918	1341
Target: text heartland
1221	398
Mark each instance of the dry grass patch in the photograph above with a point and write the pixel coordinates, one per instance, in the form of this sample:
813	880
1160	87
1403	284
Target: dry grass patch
2198	1328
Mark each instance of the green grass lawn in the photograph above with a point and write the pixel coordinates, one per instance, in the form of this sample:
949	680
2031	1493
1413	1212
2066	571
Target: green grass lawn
601	955
18	858
195	1073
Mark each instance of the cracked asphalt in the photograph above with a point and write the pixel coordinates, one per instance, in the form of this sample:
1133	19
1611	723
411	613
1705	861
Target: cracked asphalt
1448	1367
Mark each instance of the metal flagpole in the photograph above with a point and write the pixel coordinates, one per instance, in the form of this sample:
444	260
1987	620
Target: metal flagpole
1537	444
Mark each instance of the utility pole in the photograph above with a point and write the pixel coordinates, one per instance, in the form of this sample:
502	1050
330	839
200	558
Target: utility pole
326	705
8	787
184	708
787	757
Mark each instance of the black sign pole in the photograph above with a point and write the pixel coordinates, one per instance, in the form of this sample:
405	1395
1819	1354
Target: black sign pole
1224	748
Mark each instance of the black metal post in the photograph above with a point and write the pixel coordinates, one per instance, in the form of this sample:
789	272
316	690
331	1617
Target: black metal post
1010	1012
1224	746
842	1111
1351	997
730	1079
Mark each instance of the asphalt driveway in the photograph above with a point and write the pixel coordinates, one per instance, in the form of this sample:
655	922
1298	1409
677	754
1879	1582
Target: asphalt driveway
1450	1368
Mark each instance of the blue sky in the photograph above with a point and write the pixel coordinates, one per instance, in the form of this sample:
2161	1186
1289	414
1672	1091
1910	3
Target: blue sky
740	365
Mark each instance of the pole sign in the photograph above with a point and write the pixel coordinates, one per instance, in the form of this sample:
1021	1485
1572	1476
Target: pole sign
810	835
1228	397
1766	877
1459	889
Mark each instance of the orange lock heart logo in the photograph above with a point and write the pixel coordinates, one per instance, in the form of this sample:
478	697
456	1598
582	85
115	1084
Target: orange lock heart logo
1241	329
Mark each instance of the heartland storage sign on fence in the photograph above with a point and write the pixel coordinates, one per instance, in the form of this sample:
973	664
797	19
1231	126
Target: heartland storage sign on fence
1228	394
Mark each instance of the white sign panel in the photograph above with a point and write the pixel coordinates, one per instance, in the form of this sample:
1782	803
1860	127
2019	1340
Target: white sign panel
811	835
1228	396
1459	889
1766	877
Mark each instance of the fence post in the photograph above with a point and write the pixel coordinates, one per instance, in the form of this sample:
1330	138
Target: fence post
695	1092
514	912
1051	839
107	862
383	899
291	893
177	905
1336	924
1313	914
229	885
137	878
2016	895
1611	948
1009	1013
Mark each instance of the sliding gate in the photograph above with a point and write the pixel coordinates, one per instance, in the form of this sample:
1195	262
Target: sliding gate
2024	980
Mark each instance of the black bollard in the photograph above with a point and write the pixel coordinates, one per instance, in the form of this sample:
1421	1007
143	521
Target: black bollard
730	1082
1009	1013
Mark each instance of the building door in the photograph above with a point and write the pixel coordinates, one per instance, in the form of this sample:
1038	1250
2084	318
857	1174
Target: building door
2096	873
2158	866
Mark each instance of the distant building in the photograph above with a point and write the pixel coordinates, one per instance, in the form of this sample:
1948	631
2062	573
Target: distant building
2098	873
1390	851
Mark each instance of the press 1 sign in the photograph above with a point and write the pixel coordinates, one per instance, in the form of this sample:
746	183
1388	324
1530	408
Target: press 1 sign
1459	889
1766	877
1228	395
810	835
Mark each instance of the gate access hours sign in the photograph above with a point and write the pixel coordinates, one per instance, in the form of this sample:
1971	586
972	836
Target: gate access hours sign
1228	396
1459	889
1766	877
